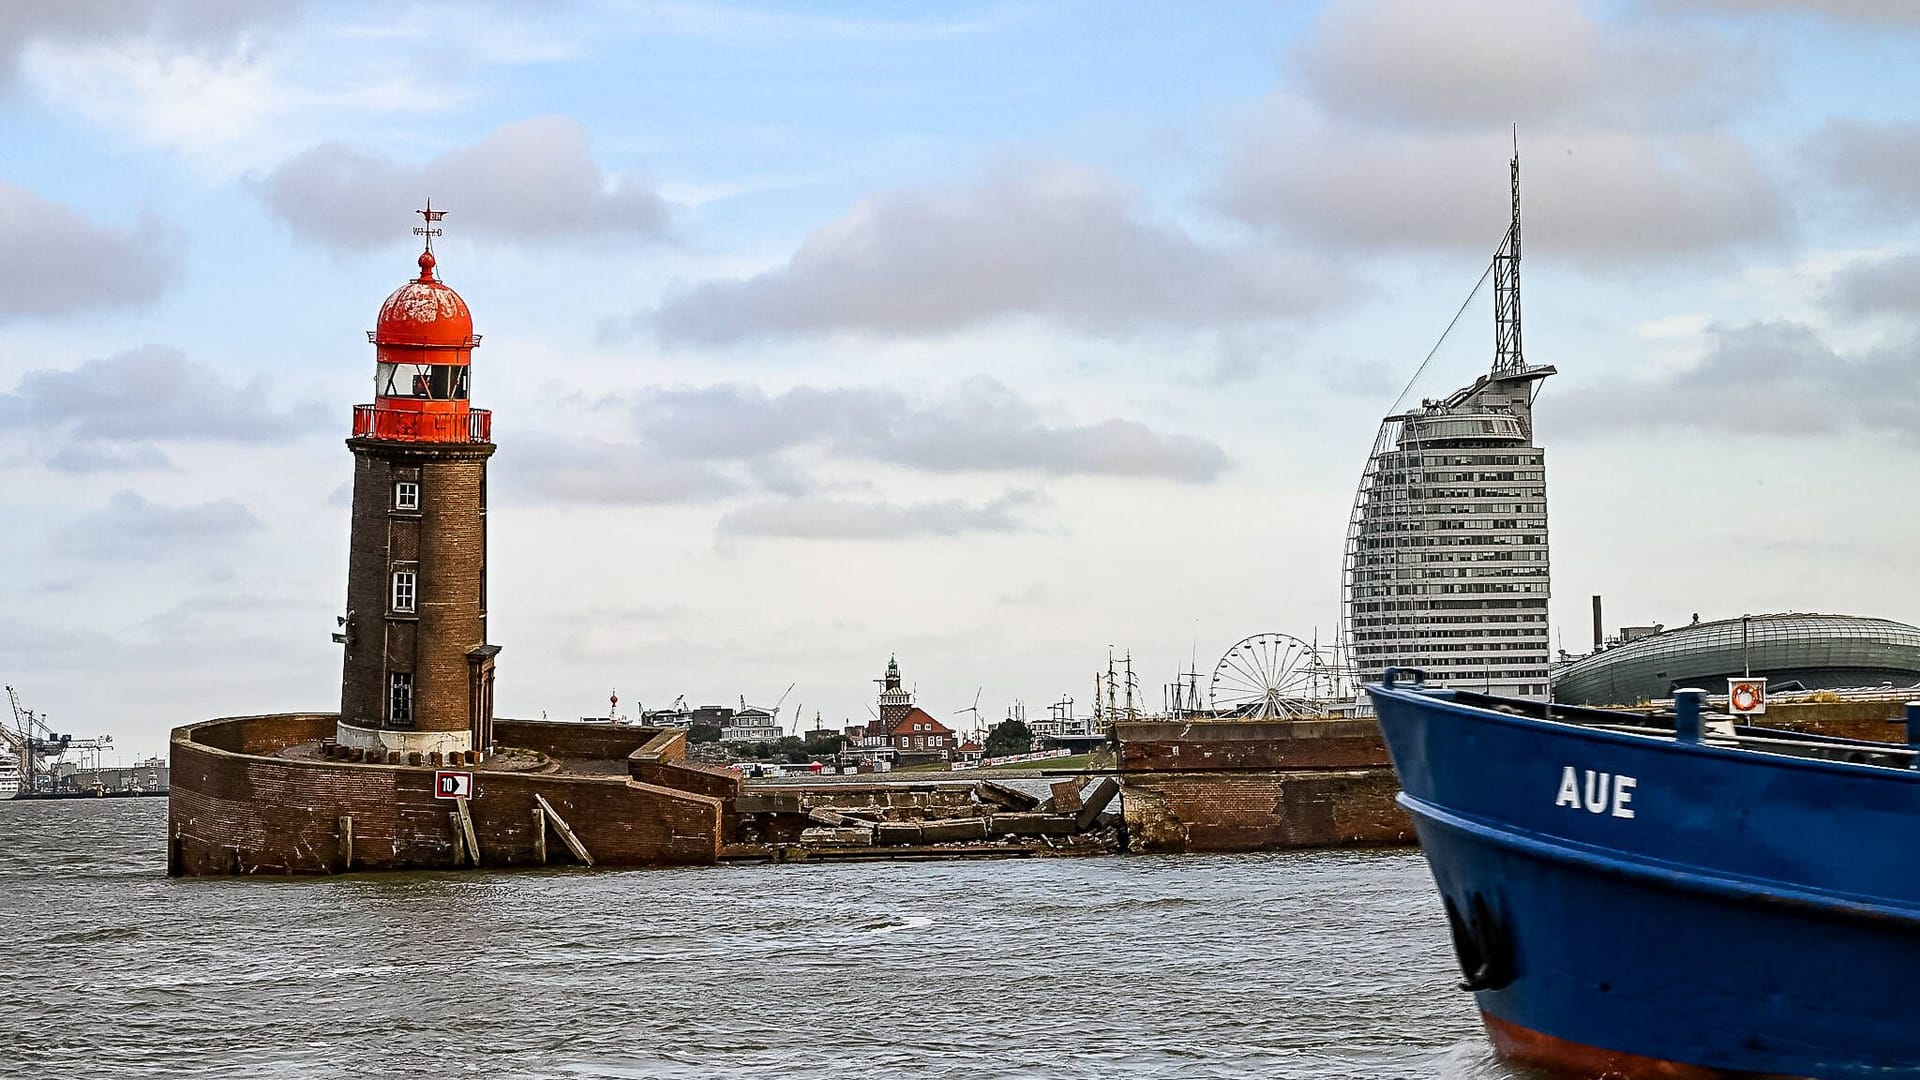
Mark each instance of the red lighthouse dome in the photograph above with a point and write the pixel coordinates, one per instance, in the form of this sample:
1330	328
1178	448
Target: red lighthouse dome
423	346
425	311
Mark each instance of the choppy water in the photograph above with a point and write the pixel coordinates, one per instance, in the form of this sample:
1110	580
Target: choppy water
1321	965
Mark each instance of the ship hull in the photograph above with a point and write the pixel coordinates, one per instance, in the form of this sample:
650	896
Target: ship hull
1683	911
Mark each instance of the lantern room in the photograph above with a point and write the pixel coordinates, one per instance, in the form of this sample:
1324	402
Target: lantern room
423	345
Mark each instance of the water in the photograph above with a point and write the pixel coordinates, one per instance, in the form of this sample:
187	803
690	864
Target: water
1320	965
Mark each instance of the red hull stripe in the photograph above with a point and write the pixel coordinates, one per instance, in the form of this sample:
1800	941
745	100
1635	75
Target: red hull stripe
1524	1046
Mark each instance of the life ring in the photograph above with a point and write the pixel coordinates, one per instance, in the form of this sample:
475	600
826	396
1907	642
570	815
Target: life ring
1745	698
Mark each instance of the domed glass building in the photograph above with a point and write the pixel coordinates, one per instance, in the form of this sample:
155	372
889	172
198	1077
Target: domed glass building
1793	651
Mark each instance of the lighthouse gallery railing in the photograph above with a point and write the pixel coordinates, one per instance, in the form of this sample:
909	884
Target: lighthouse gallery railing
412	425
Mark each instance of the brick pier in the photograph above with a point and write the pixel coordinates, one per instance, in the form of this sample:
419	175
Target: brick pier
250	796
1240	785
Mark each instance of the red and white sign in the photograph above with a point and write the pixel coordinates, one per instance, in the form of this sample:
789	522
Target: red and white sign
448	784
1746	697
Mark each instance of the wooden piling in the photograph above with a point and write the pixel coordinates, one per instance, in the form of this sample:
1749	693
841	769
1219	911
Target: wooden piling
459	841
466	829
540	835
566	832
346	842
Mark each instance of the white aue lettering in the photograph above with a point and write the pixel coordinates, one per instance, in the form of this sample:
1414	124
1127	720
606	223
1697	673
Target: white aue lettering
1600	793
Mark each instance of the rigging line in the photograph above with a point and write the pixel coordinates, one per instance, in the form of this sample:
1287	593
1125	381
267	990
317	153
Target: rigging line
1444	333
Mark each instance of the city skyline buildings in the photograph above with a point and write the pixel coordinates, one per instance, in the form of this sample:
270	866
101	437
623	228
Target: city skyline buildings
967	333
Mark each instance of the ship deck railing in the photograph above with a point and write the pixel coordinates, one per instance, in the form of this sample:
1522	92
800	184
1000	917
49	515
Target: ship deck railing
1722	730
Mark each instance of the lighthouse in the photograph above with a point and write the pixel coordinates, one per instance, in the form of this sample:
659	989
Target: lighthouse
418	672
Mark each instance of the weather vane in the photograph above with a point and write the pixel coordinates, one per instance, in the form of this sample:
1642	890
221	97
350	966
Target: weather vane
430	215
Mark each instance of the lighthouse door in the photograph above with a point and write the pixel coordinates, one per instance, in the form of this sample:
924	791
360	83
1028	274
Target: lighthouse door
480	696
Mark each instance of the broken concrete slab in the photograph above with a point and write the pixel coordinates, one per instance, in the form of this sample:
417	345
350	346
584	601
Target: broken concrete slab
899	832
755	802
831	837
1016	823
946	832
1066	795
1096	801
837	819
1009	797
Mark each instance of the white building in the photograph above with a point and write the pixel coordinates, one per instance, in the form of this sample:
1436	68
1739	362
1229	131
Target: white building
751	723
1446	562
1060	721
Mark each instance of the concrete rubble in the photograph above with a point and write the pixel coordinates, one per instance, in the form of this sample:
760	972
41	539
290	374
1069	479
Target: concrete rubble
922	821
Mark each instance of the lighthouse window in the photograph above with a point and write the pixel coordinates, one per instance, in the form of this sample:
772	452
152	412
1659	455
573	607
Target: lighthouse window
406	495
403	590
400	698
434	382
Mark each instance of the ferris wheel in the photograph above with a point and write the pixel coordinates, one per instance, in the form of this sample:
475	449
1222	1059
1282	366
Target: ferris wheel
1270	677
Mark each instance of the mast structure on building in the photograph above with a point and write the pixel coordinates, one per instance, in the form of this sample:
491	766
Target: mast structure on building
1509	358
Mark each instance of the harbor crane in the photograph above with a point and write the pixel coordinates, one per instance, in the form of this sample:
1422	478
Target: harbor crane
36	746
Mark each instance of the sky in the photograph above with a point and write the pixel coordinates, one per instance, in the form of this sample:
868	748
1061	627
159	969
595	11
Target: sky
991	336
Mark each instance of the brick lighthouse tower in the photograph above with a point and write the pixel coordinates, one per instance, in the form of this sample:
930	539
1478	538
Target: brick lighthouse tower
418	673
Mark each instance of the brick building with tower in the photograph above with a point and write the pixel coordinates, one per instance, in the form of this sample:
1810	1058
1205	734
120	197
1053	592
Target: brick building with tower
909	733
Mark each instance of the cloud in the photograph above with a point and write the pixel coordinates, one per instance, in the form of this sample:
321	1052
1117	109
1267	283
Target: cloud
980	425
1445	61
93	458
1033	595
41	647
527	181
1241	358
58	262
206	616
729	22
825	518
1060	243
1878	286
1860	11
195	25
1878	164
629	613
1599	198
1762	378
606	473
183	74
130	527
1401	124
1487	63
109	407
